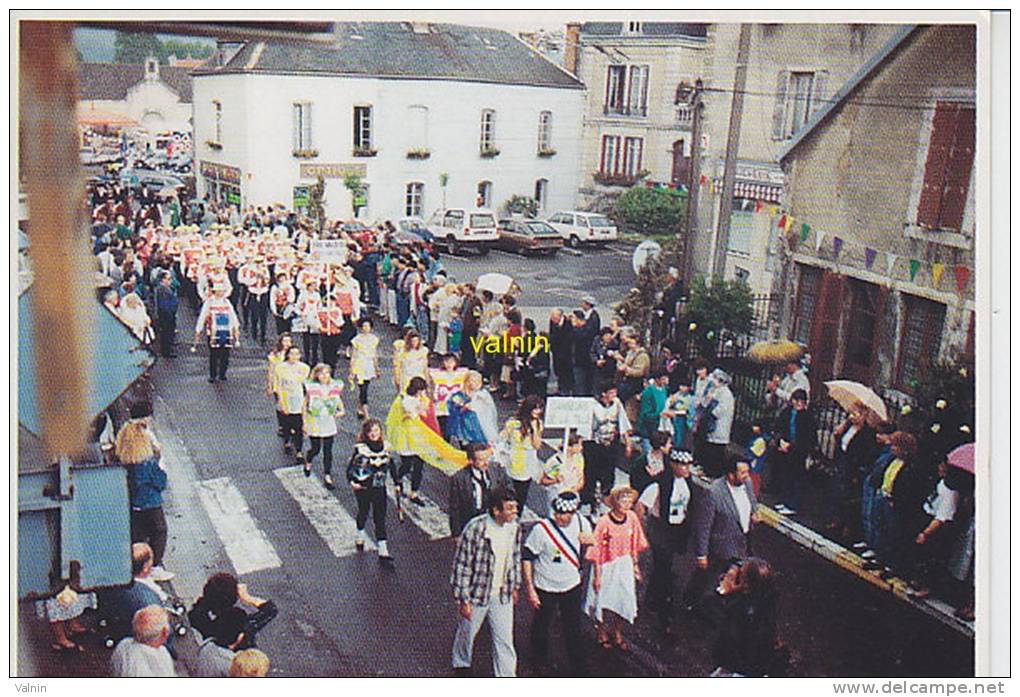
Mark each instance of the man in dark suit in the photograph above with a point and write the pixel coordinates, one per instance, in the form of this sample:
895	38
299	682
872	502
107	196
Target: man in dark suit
469	486
583	334
561	345
796	437
721	526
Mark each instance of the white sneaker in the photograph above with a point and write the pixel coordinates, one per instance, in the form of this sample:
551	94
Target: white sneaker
160	574
384	551
781	509
860	545
867	554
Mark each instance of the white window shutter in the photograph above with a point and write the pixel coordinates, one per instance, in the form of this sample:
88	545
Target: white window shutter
779	114
308	126
819	96
296	113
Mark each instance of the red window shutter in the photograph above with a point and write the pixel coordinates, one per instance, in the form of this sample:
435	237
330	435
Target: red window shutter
961	158
602	159
824	340
943	129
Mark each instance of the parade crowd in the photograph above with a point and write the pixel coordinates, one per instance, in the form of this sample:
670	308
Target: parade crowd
666	422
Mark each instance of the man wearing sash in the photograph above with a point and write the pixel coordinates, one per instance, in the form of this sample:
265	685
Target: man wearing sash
552	577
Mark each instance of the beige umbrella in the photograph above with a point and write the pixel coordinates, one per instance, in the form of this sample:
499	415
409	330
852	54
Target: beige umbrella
783	351
847	393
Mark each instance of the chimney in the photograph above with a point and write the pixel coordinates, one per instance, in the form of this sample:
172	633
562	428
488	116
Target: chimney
421	27
570	54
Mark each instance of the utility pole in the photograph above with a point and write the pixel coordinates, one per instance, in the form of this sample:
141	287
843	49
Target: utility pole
693	185
722	241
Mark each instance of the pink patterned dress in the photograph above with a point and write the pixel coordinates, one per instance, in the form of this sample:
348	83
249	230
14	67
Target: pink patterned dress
617	546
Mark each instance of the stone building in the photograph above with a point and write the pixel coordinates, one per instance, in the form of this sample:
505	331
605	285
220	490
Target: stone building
155	98
879	284
426	115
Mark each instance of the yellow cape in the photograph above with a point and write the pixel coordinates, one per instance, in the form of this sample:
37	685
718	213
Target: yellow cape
410	433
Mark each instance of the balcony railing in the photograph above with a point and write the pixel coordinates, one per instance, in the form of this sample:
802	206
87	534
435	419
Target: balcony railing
624	110
684	114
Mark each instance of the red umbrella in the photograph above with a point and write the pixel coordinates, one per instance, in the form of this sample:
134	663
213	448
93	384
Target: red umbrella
962	457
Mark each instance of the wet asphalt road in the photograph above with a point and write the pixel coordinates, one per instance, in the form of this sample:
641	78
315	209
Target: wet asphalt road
351	616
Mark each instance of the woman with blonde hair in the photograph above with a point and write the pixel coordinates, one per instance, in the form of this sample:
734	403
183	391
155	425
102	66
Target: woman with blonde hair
275	358
612	589
322	407
250	663
138	450
414	361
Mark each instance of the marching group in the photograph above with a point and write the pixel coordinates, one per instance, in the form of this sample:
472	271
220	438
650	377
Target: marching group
653	415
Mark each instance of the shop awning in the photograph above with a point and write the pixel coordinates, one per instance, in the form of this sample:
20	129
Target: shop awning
101	117
117	361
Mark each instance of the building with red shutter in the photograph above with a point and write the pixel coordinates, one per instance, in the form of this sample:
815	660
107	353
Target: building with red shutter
876	273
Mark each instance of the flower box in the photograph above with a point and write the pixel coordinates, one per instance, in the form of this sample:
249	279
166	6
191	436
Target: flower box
365	152
609	179
306	153
418	154
488	153
213	145
546	152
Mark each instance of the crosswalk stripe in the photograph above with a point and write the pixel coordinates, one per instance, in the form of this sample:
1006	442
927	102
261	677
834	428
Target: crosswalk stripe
323	510
247	546
429	517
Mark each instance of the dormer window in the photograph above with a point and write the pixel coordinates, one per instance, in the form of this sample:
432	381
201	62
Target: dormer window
151	68
633	27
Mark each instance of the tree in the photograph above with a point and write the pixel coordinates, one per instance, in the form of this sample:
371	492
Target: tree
523	205
353	183
183	49
650	211
131	47
639	309
317	202
716	307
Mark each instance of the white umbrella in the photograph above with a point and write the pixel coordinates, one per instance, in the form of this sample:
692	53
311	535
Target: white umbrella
495	283
643	252
848	392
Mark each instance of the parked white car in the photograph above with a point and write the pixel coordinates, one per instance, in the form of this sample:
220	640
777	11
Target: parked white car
456	229
578	227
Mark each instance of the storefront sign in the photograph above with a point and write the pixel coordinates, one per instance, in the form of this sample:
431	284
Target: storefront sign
360	201
233	196
337	170
300	197
329	251
224	173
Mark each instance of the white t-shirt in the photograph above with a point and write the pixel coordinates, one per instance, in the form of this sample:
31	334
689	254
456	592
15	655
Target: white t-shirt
941	505
743	504
554	572
678	502
134	660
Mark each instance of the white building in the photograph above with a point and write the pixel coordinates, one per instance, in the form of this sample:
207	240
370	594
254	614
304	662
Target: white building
155	98
426	114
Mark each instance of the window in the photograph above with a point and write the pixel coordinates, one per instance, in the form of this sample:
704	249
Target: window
741	227
799	94
948	167
414	196
632	150
488	135
541	193
218	121
610	154
741	274
484	199
866	302
418	126
454	218
633	28
807	296
919	341
545	131
302	126
626	90
362	128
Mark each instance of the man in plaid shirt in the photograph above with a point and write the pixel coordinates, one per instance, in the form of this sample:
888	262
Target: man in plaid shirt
486	577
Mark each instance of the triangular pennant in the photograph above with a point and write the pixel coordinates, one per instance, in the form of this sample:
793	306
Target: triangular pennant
890	263
782	222
937	270
962	275
914	266
819	238
869	257
757	206
837	245
804	229
703	180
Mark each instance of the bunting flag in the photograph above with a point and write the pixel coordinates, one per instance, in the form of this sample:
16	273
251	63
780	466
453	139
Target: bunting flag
782	221
757	206
869	257
962	275
819	238
937	270
837	245
804	229
890	263
789	224
703	180
914	266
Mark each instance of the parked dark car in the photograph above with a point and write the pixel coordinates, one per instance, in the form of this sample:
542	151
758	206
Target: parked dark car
528	237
